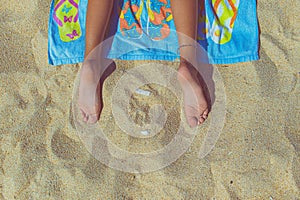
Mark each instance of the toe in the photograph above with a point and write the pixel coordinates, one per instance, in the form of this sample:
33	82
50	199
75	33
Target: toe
204	116
206	112
201	120
93	118
84	116
83	113
192	121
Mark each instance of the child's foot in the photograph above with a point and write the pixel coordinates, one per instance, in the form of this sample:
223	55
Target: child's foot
89	100
195	104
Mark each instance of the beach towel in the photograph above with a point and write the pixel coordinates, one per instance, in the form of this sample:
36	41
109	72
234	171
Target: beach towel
145	30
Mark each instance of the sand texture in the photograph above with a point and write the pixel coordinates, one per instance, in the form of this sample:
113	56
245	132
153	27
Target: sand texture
257	155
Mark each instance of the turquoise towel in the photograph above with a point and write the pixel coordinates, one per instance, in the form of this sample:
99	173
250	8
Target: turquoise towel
227	30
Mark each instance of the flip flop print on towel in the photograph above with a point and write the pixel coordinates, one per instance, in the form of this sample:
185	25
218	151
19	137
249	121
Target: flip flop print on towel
203	22
156	27
225	13
130	18
159	18
66	15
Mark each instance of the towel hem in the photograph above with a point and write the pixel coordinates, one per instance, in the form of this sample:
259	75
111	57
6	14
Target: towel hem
64	61
233	60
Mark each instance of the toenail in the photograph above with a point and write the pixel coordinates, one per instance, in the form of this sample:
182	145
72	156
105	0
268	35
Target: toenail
201	120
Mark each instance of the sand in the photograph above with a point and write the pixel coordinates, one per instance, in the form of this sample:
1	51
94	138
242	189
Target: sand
257	155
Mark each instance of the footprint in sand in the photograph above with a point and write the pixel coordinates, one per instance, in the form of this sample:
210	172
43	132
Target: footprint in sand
22	95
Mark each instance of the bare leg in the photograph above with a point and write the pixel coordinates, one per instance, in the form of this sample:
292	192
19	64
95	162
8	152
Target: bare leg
185	15
98	14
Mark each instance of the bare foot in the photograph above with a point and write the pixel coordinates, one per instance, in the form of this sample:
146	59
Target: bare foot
195	104
89	100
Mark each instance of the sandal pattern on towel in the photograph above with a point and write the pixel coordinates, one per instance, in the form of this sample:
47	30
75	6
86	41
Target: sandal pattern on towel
220	31
203	23
225	12
159	17
130	18
66	16
157	25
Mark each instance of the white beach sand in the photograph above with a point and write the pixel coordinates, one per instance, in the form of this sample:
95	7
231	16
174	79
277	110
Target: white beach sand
256	157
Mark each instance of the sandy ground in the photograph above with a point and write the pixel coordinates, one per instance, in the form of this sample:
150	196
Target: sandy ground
42	157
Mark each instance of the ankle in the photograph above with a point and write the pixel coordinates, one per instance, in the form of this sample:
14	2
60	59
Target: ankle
187	52
183	74
187	65
89	72
187	72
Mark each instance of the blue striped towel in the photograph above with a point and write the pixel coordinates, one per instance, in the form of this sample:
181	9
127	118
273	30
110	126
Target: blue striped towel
145	30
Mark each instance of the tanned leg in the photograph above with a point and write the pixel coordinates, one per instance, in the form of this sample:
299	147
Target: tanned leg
98	14
185	13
